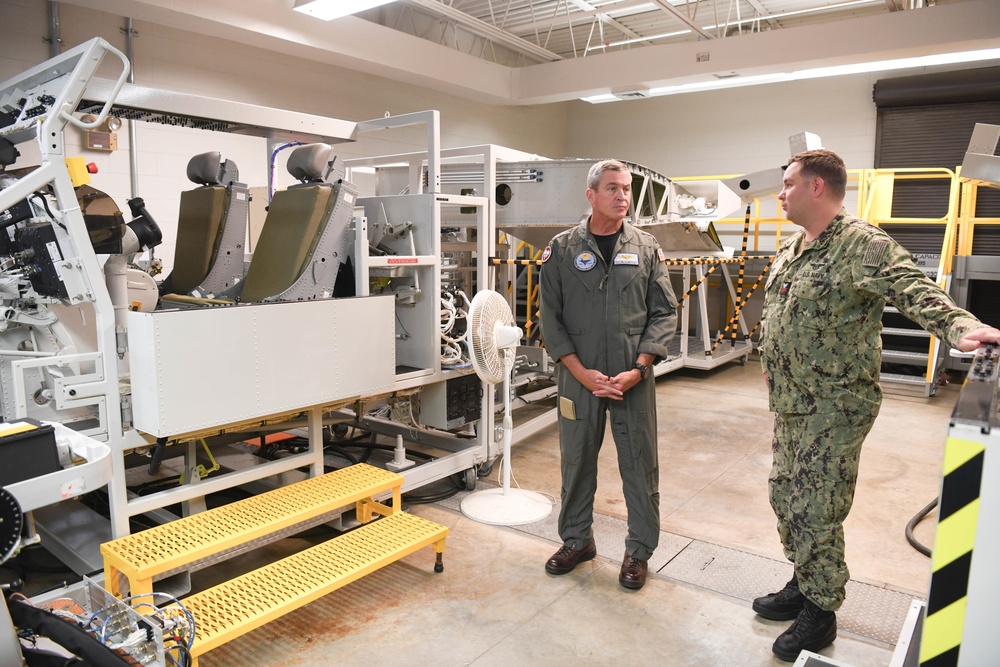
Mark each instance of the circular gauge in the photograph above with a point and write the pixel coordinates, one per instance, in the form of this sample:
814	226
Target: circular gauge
11	521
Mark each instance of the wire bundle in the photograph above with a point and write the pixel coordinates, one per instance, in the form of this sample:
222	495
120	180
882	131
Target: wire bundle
454	312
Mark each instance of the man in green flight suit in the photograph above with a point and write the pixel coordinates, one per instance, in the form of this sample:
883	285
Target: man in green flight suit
607	314
820	349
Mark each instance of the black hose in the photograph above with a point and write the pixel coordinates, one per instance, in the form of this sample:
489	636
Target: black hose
435	497
158	449
342	453
917	518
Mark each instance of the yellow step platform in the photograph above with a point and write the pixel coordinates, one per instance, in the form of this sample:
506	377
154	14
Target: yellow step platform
233	608
149	554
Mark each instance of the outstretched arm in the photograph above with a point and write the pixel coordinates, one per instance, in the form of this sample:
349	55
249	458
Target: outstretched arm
977	337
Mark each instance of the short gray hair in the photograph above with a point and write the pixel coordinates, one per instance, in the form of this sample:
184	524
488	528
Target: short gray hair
597	171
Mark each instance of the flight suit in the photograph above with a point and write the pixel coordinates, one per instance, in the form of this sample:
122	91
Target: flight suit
607	313
821	348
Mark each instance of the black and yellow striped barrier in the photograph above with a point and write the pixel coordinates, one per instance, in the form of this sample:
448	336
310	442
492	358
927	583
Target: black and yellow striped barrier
958	516
735	320
686	261
743	265
698	284
515	262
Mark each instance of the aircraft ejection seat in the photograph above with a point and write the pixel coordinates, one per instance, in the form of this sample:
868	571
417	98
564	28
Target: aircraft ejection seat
305	234
211	229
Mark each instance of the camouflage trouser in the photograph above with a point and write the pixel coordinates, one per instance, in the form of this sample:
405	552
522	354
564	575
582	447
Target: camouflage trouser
811	485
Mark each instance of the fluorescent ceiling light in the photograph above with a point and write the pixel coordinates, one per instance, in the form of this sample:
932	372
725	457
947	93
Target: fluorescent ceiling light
334	9
737	81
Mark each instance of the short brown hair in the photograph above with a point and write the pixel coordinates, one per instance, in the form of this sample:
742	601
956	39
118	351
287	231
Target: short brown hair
597	171
821	163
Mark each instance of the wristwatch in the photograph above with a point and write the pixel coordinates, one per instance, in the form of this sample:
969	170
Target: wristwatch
643	370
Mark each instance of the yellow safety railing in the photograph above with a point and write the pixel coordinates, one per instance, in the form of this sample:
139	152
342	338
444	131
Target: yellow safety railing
967	219
875	205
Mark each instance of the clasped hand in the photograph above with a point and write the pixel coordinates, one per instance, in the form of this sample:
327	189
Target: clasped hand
604	386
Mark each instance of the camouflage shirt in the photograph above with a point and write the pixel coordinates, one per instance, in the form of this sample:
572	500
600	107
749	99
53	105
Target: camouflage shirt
820	340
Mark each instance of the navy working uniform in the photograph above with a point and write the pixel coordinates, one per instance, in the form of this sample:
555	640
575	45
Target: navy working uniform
607	313
821	348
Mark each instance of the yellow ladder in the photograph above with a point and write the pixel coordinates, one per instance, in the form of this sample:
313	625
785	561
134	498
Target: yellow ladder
233	608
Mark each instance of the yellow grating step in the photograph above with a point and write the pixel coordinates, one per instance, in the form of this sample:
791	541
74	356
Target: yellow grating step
233	608
144	555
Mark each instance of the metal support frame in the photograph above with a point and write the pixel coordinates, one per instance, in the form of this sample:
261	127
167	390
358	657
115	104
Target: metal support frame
72	75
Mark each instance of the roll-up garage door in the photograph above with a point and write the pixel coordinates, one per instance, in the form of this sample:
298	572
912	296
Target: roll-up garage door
926	121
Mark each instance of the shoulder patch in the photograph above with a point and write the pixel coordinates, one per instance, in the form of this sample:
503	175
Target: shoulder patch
660	255
546	253
875	255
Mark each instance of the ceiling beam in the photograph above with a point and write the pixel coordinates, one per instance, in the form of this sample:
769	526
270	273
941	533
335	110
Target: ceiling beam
943	28
689	22
763	14
486	30
605	18
583	16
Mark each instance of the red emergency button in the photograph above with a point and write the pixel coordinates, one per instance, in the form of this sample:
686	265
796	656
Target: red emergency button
91	167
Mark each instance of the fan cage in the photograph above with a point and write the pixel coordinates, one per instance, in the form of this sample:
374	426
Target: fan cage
488	311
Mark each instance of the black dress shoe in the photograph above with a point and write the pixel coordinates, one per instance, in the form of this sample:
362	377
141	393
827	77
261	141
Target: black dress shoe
812	630
783	605
566	559
633	574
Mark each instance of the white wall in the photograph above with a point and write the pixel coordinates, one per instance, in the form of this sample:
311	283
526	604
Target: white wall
733	131
730	132
180	61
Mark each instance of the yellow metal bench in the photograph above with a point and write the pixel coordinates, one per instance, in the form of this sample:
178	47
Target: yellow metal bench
233	608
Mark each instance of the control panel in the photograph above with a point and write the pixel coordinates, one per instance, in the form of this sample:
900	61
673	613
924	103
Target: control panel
977	404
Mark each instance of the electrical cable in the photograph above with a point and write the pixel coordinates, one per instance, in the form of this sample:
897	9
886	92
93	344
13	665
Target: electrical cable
912	523
71	637
271	165
27	560
342	453
435	497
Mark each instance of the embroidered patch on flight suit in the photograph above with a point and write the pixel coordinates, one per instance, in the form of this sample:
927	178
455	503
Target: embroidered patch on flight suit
661	255
585	261
627	258
875	255
546	253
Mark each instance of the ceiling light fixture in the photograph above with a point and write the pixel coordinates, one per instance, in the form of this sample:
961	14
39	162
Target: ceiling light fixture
814	73
328	10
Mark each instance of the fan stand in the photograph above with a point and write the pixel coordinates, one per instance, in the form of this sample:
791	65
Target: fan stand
506	506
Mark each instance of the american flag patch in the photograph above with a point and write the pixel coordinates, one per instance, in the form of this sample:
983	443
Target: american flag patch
875	255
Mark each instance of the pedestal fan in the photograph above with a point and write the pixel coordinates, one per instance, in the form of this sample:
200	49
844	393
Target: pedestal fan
493	339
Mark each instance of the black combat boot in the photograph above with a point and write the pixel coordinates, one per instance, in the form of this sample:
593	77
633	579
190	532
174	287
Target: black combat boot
783	605
812	630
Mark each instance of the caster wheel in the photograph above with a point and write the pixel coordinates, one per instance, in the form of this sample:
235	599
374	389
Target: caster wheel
470	478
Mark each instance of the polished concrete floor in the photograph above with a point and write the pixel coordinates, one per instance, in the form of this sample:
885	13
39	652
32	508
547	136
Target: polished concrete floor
495	605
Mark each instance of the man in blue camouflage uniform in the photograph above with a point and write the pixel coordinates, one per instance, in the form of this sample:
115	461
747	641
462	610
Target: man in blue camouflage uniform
608	312
820	348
